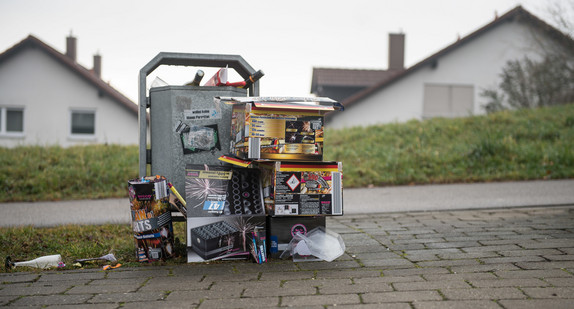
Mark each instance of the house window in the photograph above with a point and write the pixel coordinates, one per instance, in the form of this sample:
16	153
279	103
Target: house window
448	100
83	123
11	120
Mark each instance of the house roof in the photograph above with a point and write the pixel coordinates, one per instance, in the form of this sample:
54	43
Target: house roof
348	77
87	75
518	13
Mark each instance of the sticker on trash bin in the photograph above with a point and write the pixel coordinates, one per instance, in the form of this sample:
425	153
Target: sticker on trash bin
201	114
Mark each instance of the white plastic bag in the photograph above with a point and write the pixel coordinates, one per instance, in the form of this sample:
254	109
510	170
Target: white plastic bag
319	242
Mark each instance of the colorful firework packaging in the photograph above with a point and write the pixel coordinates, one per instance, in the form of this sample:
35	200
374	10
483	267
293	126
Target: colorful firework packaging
151	218
278	128
225	213
302	188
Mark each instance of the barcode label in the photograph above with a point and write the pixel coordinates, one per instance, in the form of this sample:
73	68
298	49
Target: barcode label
254	148
337	194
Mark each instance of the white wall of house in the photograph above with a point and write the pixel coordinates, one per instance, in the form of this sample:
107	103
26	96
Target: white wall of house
476	64
48	92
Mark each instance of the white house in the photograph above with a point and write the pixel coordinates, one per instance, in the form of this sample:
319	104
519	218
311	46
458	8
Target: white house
47	98
449	83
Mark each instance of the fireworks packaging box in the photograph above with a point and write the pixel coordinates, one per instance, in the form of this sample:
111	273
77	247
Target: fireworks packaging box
225	212
226	238
278	128
151	218
280	231
302	188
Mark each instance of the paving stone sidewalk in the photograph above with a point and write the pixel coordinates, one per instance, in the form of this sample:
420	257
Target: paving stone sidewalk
497	258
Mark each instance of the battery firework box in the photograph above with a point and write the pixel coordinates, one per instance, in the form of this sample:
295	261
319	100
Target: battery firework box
278	128
302	188
151	218
281	230
224	210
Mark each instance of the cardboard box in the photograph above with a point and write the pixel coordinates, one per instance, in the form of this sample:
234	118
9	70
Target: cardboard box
278	128
222	190
280	231
224	212
224	238
151	218
302	188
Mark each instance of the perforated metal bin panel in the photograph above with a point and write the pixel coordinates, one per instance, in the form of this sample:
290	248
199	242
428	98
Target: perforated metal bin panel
192	106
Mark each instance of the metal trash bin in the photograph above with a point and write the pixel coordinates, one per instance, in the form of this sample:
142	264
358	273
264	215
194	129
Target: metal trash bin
175	109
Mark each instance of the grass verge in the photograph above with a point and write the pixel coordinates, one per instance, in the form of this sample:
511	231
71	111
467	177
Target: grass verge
78	242
512	145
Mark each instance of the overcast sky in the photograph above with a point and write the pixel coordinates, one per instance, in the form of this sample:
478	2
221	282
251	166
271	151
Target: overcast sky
285	39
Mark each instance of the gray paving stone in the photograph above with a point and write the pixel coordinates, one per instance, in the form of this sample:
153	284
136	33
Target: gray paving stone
406	246
415	271
546	265
84	306
103	289
536	303
17	277
317	282
155	305
483	268
6	299
483	293
269	290
512	259
550	292
128	281
431	285
448	304
537	273
492	248
566	282
507	255
127	297
136	273
323	300
552	243
20	290
449	263
400	296
56	299
377	255
357	288
464	255
68	276
261	302
373	306
559	257
523	252
460	276
197	296
346	273
388	279
287	275
328	265
396	263
244	267
522	282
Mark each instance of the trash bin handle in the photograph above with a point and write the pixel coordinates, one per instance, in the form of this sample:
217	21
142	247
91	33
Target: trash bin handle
235	62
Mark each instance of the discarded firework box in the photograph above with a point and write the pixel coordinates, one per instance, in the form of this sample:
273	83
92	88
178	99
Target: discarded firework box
281	230
278	128
151	218
225	213
302	188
